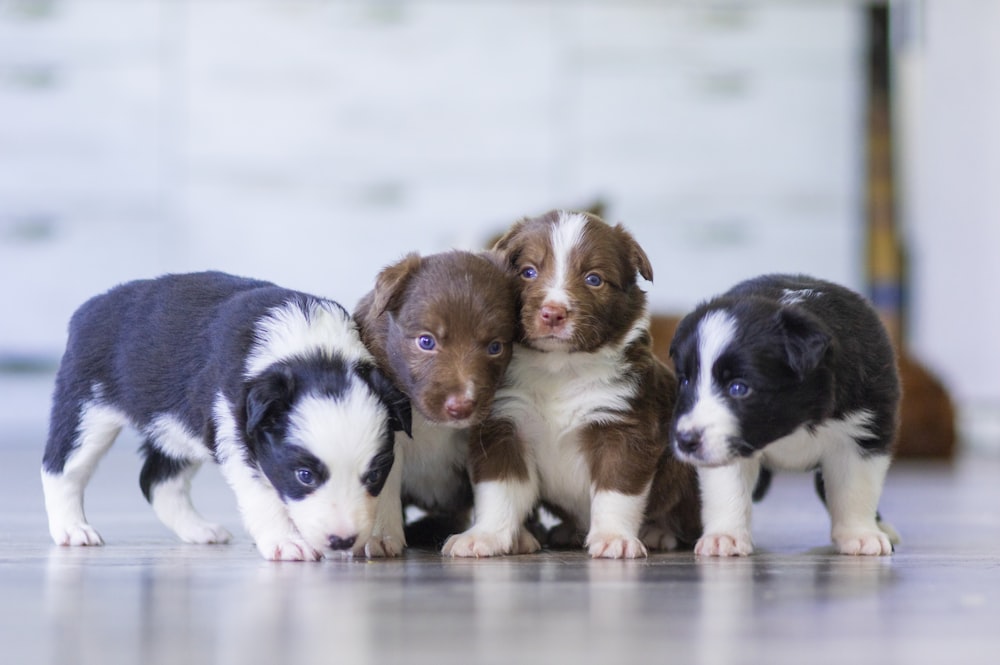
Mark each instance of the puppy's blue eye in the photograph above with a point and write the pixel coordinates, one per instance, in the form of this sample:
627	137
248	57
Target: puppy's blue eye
372	478
593	279
738	389
426	342
494	348
306	477
529	272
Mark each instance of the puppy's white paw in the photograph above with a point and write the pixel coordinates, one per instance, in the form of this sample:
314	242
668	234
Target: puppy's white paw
477	544
525	543
76	535
289	549
205	533
724	544
658	538
864	543
614	546
381	546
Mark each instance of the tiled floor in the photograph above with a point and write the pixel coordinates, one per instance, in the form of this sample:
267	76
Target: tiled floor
145	598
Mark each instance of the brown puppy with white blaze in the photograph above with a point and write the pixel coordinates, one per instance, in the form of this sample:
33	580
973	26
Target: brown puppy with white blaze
581	423
441	327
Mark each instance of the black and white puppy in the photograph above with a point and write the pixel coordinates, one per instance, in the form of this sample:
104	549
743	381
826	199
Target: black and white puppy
787	372
274	385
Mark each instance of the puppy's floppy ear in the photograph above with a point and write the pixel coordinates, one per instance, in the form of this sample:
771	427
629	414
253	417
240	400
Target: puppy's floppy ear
807	339
506	248
391	282
640	262
400	416
494	257
268	396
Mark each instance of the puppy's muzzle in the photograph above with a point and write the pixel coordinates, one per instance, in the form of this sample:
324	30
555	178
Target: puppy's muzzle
553	317
688	441
459	407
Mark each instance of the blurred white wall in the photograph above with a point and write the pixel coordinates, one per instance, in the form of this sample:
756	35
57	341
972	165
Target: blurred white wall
312	142
949	105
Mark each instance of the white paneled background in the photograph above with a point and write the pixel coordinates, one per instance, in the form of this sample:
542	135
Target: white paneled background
312	142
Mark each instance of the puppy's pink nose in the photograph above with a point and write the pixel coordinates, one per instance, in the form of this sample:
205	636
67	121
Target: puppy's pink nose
553	315
459	407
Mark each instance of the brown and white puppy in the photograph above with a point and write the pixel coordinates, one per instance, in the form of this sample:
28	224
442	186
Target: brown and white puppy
442	328
582	421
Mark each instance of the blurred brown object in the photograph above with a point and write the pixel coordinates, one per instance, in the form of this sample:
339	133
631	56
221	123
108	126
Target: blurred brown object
662	329
927	413
927	428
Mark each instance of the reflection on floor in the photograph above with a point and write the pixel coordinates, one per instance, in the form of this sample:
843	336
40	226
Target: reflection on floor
145	598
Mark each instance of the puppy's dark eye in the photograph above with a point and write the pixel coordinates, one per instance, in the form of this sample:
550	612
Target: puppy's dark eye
305	477
738	389
494	348
529	272
683	380
426	342
593	279
373	478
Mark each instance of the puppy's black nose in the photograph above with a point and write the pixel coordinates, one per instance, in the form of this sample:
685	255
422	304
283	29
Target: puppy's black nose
688	440
338	543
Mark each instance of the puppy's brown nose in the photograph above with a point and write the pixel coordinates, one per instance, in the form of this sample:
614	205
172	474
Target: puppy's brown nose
459	407
553	315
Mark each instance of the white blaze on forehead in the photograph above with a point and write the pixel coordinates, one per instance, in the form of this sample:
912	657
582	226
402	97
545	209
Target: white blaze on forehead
710	414
715	333
566	235
343	432
287	331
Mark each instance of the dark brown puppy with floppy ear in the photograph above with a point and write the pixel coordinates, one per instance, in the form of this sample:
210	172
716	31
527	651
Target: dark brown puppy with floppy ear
442	327
582	421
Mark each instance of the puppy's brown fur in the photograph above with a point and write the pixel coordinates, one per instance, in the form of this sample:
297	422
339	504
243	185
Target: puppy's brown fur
465	304
594	325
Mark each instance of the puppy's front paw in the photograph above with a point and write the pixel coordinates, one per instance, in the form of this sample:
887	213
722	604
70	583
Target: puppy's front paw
289	549
477	544
724	544
865	543
76	535
656	537
525	543
614	546
205	533
381	546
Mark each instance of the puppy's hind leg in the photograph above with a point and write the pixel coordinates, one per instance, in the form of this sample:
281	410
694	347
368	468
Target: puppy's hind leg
80	434
166	484
853	484
886	528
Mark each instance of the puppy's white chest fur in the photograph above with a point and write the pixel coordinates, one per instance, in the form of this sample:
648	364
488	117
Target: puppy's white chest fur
552	396
807	448
433	461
